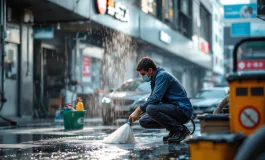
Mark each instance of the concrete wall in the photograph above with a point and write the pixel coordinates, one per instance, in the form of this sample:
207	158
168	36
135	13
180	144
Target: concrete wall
26	69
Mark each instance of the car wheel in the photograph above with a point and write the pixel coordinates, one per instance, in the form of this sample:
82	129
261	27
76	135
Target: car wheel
108	116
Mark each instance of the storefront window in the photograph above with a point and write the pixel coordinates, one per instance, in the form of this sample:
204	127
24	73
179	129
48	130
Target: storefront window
149	6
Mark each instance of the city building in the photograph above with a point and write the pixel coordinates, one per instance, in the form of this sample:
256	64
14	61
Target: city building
66	47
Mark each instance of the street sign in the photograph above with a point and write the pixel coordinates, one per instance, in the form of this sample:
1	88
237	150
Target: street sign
86	69
249	117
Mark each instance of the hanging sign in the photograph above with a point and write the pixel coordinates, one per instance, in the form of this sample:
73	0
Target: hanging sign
86	69
251	65
115	9
249	117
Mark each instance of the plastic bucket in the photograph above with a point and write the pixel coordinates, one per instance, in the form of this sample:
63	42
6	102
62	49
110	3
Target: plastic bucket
215	146
74	120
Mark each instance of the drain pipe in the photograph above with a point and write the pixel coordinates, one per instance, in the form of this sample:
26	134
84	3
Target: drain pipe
253	147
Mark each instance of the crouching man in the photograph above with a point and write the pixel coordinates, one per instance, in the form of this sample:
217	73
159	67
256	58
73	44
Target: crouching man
167	106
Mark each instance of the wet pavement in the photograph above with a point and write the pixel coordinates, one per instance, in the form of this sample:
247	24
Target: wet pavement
54	142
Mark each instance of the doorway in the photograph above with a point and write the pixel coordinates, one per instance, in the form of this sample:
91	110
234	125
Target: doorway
52	79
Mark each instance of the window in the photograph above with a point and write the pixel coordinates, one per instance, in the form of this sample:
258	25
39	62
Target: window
185	20
168	12
136	85
220	42
216	38
210	94
149	6
216	18
184	7
205	30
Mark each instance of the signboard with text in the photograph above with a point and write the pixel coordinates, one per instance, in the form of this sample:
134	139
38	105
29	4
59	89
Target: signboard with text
86	69
115	9
240	11
251	65
43	33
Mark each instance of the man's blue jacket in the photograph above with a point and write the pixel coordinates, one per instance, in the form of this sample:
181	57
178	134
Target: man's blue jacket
167	89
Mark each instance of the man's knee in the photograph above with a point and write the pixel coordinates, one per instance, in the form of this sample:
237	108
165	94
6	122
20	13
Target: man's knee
150	109
143	123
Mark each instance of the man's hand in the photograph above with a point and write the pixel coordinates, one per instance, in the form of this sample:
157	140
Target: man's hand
135	115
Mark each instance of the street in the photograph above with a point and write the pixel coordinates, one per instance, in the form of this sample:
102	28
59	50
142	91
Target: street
53	142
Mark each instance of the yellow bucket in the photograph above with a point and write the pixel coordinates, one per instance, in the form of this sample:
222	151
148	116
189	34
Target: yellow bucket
215	146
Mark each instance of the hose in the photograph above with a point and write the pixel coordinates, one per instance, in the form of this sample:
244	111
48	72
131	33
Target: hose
222	104
193	126
253	146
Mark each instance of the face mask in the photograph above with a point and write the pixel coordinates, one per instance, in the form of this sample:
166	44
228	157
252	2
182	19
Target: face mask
146	78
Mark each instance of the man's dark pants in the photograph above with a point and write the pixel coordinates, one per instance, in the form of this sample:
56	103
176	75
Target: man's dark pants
164	116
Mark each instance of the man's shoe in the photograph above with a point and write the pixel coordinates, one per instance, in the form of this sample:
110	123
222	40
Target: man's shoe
168	136
178	136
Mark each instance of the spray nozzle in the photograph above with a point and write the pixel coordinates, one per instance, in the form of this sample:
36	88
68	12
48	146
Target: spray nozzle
130	121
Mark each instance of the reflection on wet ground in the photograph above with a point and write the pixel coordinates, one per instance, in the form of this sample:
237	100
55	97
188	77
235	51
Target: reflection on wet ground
55	143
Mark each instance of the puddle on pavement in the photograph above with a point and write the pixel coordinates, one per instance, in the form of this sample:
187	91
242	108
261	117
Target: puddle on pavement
64	151
87	145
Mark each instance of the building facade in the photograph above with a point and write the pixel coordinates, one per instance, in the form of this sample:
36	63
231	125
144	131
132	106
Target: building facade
99	43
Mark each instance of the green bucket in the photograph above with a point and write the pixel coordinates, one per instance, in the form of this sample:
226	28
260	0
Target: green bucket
73	120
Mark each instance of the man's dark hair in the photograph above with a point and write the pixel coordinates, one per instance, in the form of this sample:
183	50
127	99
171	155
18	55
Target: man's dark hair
145	63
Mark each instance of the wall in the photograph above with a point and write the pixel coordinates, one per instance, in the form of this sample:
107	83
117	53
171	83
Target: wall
181	46
26	69
218	40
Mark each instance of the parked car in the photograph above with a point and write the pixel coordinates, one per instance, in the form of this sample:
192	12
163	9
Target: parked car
124	100
206	100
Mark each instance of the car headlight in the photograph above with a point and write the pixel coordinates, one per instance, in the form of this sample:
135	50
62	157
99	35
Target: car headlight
106	100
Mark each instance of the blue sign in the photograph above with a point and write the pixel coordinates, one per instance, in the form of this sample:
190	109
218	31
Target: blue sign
248	29
44	33
240	11
240	29
257	29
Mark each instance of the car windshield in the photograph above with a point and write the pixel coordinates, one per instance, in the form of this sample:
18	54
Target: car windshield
206	94
134	86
